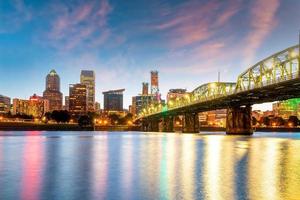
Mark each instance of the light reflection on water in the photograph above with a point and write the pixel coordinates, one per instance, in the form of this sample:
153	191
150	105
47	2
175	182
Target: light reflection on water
95	165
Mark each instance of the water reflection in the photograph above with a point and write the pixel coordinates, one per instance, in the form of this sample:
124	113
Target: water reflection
100	167
155	166
33	166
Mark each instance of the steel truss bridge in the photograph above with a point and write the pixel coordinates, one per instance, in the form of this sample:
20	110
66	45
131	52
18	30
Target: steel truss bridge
275	78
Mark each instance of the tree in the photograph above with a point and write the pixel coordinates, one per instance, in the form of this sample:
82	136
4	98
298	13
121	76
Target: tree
254	121
85	121
114	118
265	121
278	121
293	121
60	116
48	116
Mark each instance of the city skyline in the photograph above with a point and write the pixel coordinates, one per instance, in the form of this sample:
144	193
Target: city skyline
165	37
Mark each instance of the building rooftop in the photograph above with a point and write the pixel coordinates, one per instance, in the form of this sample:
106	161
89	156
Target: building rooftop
52	73
119	91
87	73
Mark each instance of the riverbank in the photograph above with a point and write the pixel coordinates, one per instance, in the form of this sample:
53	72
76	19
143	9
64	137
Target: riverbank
31	126
260	129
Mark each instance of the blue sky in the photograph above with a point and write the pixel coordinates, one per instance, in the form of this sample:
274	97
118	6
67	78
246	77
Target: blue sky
188	42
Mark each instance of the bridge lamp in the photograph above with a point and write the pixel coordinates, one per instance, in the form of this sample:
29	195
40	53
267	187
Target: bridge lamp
213	85
293	54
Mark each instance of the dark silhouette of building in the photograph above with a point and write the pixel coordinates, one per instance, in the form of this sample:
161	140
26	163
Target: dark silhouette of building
52	92
78	99
113	100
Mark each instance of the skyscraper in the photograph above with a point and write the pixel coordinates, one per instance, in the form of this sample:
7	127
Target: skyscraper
145	88
87	77
66	102
4	104
154	82
78	99
154	87
113	100
52	92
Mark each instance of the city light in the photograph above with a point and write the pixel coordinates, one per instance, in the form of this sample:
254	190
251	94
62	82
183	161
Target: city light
212	85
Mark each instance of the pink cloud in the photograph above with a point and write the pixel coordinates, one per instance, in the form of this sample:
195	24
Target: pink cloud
85	23
263	20
195	21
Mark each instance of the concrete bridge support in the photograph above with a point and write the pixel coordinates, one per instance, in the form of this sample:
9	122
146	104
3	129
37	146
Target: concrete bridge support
239	121
150	125
144	126
154	125
190	123
168	124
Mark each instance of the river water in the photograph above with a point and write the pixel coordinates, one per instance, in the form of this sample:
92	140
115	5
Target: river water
133	165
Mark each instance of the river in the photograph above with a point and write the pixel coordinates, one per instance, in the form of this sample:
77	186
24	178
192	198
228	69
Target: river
136	165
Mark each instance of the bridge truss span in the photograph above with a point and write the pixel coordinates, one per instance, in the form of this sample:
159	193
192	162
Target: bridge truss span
275	78
279	67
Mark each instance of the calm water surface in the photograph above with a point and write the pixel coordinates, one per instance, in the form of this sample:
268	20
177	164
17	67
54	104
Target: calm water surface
115	165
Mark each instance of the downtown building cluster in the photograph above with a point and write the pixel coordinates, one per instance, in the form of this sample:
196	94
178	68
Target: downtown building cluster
80	100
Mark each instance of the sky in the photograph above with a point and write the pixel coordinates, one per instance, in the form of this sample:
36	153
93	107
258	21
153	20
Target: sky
188	42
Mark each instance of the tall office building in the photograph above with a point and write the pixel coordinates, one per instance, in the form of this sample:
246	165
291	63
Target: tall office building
78	99
113	100
66	102
97	107
154	87
139	102
4	104
145	88
52	92
154	82
87	77
36	106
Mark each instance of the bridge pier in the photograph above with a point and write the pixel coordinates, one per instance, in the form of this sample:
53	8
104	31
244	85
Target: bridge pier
145	125
190	123
154	125
238	121
151	125
168	124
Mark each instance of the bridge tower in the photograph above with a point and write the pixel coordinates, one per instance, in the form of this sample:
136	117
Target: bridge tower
238	121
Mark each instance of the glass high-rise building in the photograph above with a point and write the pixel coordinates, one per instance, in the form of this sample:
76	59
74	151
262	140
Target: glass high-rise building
87	77
113	100
52	92
78	99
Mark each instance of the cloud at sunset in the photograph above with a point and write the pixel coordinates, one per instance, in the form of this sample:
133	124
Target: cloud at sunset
121	40
85	22
263	21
